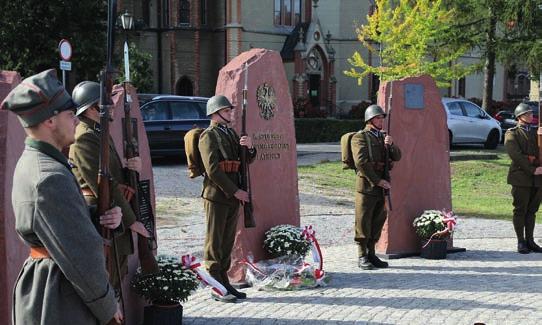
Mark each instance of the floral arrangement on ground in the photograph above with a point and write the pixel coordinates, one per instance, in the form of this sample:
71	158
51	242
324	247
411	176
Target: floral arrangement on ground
170	286
286	240
436	224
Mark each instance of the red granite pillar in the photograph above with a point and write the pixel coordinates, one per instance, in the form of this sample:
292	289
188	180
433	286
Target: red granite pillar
12	250
134	304
421	180
270	123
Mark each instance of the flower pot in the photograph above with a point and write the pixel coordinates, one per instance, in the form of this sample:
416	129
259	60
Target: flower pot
163	315
434	250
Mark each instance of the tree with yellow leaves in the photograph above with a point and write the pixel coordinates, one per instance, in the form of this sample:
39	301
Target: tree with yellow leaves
412	39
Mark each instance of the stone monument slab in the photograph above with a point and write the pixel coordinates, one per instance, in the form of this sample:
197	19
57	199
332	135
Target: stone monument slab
134	304
12	250
270	122
421	180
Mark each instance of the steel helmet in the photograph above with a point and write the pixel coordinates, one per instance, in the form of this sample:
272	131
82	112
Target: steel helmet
372	111
85	94
522	109
216	103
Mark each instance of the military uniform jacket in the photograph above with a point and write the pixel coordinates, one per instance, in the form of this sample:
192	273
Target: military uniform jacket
368	151
214	142
84	156
72	286
520	144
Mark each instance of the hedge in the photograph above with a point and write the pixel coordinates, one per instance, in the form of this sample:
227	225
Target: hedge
311	130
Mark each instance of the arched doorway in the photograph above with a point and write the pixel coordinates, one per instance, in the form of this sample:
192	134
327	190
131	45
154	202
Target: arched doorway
316	69
184	87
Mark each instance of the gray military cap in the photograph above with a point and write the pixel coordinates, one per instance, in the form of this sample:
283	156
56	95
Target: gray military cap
38	98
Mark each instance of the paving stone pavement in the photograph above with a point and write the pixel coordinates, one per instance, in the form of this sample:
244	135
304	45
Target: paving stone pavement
489	283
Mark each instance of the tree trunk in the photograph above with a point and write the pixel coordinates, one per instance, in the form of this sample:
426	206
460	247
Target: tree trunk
489	66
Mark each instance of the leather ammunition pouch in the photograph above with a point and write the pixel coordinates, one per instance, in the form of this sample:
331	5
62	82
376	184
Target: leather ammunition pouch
379	166
229	166
533	160
126	191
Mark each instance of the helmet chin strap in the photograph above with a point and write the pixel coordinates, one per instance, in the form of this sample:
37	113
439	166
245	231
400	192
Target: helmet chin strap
222	117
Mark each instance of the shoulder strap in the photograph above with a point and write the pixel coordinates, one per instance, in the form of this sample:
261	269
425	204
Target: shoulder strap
220	144
369	146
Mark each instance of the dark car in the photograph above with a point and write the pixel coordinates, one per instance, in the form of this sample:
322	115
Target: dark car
507	120
168	118
534	107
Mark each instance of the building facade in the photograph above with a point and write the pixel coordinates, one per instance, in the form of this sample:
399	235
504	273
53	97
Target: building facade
190	40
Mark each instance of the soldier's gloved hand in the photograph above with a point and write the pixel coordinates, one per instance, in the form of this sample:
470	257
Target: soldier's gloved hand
538	171
140	229
134	164
388	140
384	184
246	141
241	195
111	218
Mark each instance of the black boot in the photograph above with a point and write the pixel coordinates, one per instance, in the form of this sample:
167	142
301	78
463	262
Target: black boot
365	264
522	247
228	298
378	263
226	283
531	244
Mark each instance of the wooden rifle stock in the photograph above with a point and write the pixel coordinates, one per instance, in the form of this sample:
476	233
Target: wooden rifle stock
144	245
249	220
104	176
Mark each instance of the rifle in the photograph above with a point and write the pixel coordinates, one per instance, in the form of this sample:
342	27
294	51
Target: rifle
250	222
144	245
104	176
386	175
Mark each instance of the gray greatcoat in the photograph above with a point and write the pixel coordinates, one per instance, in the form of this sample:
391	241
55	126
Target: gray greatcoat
72	286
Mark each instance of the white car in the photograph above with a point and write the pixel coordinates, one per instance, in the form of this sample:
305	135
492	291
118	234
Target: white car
468	123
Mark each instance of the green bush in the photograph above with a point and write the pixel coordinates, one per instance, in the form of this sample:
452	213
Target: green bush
311	130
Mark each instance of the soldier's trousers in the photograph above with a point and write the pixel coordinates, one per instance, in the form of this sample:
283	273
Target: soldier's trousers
220	235
526	203
370	219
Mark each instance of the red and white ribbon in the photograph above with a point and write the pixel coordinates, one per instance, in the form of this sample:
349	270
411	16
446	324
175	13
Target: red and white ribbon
253	267
190	262
316	252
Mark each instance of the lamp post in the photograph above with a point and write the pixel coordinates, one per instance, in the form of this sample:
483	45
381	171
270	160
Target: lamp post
127	24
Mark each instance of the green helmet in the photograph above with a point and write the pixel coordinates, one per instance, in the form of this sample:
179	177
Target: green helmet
85	94
216	103
522	109
372	111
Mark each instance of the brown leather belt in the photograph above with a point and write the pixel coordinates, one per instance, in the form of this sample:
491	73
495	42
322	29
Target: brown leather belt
87	191
39	253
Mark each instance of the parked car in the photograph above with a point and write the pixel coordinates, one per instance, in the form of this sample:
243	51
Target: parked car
507	120
468	123
145	98
534	107
168	118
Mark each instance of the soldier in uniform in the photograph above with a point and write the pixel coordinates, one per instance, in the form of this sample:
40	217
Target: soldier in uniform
64	281
220	148
524	176
368	150
84	156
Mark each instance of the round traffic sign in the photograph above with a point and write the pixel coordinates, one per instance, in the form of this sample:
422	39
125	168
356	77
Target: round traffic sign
65	49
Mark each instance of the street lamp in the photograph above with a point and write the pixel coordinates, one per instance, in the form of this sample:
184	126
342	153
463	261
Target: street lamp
127	24
127	21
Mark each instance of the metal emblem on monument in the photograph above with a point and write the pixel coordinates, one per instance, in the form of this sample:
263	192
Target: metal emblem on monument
267	101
